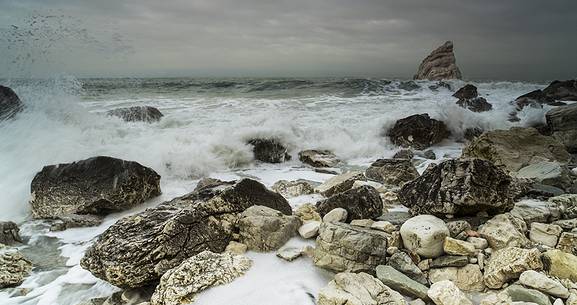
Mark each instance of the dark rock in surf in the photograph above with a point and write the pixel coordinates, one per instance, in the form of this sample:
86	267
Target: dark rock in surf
392	171
439	85
269	150
361	203
98	185
562	90
535	99
146	114
439	65
9	233
418	131
466	92
318	158
469	98
409	86
461	187
562	122
404	154
10	103
138	249
472	133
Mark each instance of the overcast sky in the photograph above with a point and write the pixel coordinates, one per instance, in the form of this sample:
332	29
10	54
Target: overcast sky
504	39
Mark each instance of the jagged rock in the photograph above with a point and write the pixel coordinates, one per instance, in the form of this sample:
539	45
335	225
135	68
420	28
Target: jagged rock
293	188
202	271
458	226
534	99
439	65
561	264
449	261
402	262
269	150
541	282
309	229
504	230
536	211
336	215
453	246
98	185
467	278
508	264
307	212
409	85
517	293
516	148
567	205
10	103
545	234
361	203
424	235
568	242
447	293
384	226
146	114
466	92
358	289
401	283
138	249
459	187
567	224
392	171
341	247
477	104
365	223
340	183
14	267
418	131
428	154
9	233
562	123
264	229
441	84
562	90
549	173
319	158
404	154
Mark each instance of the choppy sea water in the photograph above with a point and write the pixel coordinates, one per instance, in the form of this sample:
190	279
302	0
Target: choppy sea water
203	133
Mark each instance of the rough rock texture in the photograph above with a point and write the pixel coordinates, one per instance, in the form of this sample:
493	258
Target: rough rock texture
319	158
10	103
536	211
341	247
534	99
358	289
418	131
466	92
401	283
269	150
293	188
563	124
14	268
561	264
504	230
340	183
202	271
449	261
64	222
545	234
447	293
549	173
98	185
562	90
404	154
439	65
307	212
9	233
467	278
518	293
402	262
338	215
567	205
146	114
541	282
264	229
392	171
568	242
508	264
137	250
361	203
516	148
477	104
454	246
424	235
459	187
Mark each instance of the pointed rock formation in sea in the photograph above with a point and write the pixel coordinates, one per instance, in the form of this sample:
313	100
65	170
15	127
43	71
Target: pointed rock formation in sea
439	65
10	104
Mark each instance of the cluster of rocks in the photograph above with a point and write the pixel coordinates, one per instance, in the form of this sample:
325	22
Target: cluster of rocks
469	98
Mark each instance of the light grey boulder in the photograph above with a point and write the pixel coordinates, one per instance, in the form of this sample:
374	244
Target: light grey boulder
518	293
291	189
543	283
509	263
319	158
504	230
336	215
447	293
309	229
439	65
468	278
339	183
264	229
424	235
545	234
358	289
14	268
549	173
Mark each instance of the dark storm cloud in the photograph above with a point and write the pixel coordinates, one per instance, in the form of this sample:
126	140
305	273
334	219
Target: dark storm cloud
514	39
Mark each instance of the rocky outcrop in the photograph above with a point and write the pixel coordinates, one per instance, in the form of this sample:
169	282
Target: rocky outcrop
470	99
418	131
10	103
264	229
98	185
439	65
459	187
146	114
202	271
392	171
269	150
340	183
507	264
9	233
14	268
342	247
360	203
319	158
137	250
466	92
293	188
358	289
562	90
516	148
562	121
424	235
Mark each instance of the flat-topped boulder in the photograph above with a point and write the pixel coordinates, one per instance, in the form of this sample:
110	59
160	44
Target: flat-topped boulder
269	150
418	131
319	158
146	114
439	65
10	103
98	185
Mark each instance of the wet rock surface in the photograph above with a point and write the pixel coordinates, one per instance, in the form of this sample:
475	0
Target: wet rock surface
418	131
269	150
146	114
360	203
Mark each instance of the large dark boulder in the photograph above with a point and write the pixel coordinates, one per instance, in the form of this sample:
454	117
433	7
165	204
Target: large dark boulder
439	65
562	90
10	103
146	114
98	185
469	98
562	122
137	250
466	92
392	171
460	187
269	150
535	99
418	131
361	203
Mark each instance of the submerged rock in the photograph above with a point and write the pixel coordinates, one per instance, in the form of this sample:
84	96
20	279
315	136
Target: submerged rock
10	103
98	185
459	187
360	203
264	229
269	150
358	289
146	114
418	131
138	249
470	99
202	271
439	65
561	264
319	158
562	121
9	233
392	171
14	268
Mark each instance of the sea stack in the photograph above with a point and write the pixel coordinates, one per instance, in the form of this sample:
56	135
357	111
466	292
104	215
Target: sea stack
439	65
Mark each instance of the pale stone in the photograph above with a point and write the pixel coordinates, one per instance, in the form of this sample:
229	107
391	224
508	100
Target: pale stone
365	223
340	183
508	264
236	248
424	235
307	212
293	188
336	215
309	229
453	246
401	283
358	289
568	242
402	262
14	267
504	230
468	278
289	253
541	282
561	264
545	234
478	242
384	226
447	293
